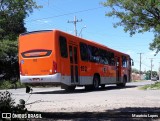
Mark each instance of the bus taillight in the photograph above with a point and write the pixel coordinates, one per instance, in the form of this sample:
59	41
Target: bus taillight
54	68
20	69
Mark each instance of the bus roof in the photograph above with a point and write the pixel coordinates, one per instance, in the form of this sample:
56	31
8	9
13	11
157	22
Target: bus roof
26	33
93	42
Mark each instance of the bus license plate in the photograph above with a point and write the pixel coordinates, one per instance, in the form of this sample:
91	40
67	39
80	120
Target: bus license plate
36	79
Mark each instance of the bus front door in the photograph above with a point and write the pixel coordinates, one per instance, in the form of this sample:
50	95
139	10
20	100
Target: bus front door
73	64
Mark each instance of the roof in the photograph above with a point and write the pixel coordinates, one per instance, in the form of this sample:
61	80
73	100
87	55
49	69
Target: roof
93	42
35	32
26	33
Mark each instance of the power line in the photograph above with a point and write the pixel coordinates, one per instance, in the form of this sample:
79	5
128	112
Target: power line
65	14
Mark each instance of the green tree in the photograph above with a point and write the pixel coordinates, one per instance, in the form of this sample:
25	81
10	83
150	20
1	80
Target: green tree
134	70
9	59
148	74
12	15
137	16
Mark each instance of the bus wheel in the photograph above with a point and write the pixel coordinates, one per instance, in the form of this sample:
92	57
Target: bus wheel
95	82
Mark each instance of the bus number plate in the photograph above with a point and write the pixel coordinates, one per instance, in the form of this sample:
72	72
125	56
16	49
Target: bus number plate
36	79
84	68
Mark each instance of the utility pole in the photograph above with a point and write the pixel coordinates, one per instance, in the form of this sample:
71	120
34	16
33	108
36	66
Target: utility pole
140	64
159	71
75	22
151	65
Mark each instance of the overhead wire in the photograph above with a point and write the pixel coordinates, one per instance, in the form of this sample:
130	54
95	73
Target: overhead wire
65	14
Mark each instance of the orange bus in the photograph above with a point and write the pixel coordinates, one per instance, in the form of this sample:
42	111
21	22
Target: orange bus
53	57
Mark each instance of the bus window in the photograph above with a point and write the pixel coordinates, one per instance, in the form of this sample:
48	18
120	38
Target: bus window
63	46
110	58
94	53
71	54
84	52
103	58
124	61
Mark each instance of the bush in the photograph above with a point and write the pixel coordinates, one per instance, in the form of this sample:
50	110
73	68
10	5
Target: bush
7	104
6	84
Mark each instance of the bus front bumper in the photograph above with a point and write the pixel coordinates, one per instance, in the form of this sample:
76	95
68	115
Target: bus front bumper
42	79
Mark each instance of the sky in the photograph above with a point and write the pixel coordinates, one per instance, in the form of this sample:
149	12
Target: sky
94	26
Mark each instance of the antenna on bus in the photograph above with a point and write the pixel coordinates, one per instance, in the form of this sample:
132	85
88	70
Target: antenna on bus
75	22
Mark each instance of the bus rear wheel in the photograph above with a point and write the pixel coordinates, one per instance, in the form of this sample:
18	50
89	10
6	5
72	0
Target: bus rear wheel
95	82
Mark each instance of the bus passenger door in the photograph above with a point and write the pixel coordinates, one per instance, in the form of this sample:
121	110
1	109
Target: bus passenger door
73	64
118	69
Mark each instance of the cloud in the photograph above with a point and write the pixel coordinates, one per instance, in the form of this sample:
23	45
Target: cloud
43	21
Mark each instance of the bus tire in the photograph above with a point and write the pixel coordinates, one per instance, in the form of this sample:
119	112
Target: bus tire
124	82
95	82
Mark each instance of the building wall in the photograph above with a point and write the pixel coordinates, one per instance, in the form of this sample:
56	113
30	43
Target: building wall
138	77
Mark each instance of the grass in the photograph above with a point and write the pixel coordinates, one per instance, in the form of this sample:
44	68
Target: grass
155	86
6	84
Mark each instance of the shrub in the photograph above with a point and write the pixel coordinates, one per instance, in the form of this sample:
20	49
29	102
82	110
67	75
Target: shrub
6	84
7	104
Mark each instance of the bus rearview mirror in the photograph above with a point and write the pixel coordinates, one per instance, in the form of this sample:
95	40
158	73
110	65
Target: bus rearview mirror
132	63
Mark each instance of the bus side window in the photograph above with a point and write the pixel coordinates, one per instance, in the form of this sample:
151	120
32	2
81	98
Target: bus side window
90	53
103	58
110	57
124	61
96	54
93	54
63	46
84	52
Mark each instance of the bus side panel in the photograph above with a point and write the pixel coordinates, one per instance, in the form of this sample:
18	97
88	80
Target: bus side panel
86	76
88	69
